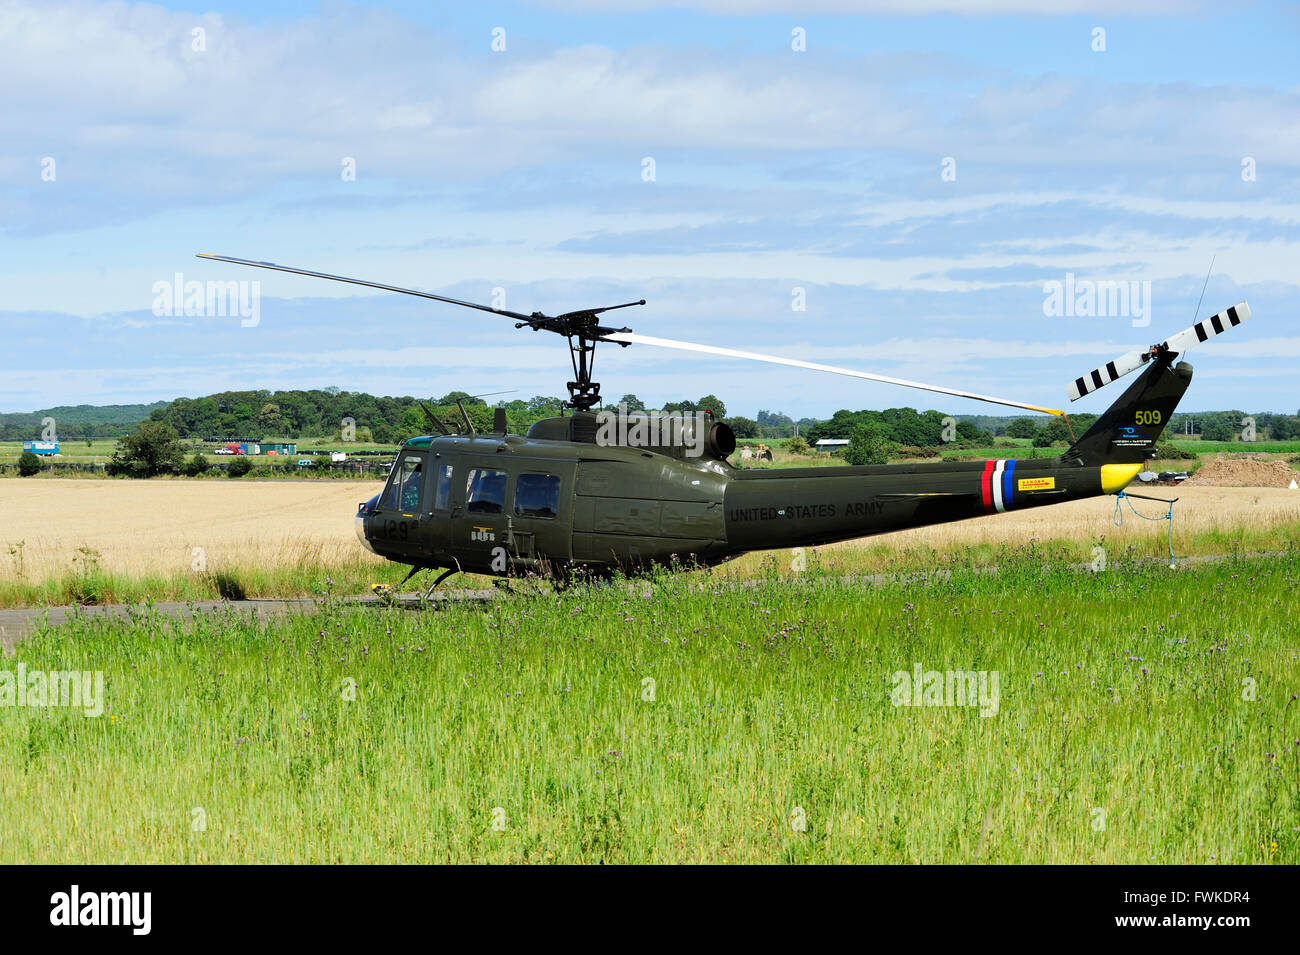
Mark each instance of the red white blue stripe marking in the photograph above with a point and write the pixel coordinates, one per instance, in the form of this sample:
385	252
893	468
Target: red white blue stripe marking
997	485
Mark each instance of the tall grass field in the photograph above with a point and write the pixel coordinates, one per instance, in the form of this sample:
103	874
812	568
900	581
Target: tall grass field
1141	715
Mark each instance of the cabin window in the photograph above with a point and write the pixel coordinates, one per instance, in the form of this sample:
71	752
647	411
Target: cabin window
485	491
443	492
403	491
537	495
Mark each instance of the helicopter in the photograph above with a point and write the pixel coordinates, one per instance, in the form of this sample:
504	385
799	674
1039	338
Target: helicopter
583	495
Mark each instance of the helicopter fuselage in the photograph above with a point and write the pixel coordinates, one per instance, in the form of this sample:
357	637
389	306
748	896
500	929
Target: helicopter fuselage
508	505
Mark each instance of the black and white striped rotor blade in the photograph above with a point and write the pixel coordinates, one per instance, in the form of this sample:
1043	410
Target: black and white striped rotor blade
1214	325
1121	366
1100	377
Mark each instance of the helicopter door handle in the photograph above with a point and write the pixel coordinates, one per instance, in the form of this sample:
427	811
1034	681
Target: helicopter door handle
455	512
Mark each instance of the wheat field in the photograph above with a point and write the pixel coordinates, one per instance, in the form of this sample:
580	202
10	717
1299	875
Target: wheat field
280	534
151	527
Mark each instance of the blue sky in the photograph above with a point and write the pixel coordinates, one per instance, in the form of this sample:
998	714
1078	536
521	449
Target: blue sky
522	171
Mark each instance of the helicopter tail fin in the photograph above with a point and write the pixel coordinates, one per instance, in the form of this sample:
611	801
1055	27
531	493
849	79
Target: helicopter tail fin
1127	431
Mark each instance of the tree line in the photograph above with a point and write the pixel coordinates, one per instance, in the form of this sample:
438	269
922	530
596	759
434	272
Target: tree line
324	413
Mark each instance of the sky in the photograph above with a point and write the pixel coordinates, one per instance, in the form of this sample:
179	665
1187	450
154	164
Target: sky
887	186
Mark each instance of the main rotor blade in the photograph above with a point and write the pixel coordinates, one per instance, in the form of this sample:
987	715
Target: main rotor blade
1193	335
632	338
378	285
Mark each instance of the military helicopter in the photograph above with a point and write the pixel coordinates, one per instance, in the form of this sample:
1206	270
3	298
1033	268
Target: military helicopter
582	494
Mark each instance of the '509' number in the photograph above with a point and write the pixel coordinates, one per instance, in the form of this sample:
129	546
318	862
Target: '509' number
1148	417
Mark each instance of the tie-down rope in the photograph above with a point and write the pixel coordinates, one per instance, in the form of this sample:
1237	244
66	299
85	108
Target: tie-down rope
1121	496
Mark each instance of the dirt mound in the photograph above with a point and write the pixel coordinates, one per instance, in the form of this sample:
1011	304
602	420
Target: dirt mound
1243	471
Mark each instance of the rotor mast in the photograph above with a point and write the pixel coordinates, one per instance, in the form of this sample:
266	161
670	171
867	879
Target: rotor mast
582	331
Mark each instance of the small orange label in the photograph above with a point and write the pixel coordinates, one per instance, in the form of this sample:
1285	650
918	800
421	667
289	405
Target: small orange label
1036	484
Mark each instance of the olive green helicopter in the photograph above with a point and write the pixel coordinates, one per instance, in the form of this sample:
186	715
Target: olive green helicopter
593	493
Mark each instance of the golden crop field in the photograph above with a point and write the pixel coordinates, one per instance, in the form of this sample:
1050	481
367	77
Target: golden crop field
271	531
142	527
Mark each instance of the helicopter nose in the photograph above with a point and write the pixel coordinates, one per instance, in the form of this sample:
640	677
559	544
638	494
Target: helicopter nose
359	523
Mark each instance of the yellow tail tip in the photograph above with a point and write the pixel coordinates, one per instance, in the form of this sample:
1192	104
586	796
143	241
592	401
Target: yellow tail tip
1116	477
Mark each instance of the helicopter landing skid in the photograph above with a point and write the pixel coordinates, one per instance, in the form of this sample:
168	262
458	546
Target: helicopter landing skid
441	577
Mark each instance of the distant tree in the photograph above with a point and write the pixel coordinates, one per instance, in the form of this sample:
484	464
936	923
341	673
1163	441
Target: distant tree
270	420
195	465
798	445
1284	428
631	402
905	426
1056	432
542	406
867	445
1218	429
239	466
152	449
839	425
774	424
744	427
1022	428
969	431
28	464
712	403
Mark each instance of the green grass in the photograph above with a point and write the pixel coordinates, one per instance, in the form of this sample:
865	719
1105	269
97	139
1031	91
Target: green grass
1121	692
1237	447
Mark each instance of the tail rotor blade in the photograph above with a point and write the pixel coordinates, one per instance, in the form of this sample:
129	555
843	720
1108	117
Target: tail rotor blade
1100	377
1207	329
1121	366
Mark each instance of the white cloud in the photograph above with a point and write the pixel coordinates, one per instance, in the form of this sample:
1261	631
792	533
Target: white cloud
116	91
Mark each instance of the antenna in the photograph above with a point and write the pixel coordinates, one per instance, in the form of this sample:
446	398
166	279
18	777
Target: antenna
490	394
1203	288
472	432
433	420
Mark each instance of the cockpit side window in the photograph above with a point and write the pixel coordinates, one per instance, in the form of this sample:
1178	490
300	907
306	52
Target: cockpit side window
405	485
485	491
